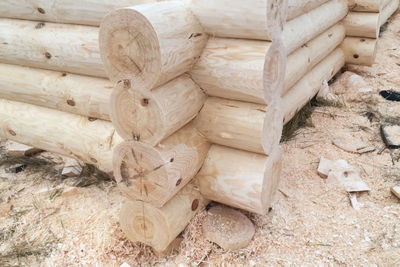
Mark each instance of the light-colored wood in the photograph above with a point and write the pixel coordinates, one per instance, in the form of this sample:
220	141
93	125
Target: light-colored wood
240	179
304	28
150	44
82	95
228	228
299	7
374	6
396	191
234	68
84	12
59	132
72	168
156	174
362	24
235	124
61	47
150	116
158	227
360	51
388	11
310	84
15	149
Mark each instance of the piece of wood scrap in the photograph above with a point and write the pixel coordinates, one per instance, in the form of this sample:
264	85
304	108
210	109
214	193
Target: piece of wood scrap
72	168
391	135
228	228
347	176
353	200
396	191
324	167
349	143
15	149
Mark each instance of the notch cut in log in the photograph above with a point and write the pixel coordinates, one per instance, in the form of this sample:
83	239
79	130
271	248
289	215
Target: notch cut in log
150	116
59	132
158	227
150	44
155	174
77	94
359	50
60	47
240	179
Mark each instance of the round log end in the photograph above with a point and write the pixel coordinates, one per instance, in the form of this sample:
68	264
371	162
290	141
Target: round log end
130	48
144	223
274	71
228	228
136	115
141	173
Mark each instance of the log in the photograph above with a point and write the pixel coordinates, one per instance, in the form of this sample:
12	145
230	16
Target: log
233	68
360	51
81	95
374	6
84	12
150	44
61	47
311	83
151	116
59	132
240	179
243	19
362	24
158	227
155	174
388	11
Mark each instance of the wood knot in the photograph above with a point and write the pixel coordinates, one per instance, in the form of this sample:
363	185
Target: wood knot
47	55
145	102
356	56
40	25
362	40
71	102
64	74
178	182
92	119
93	160
12	132
126	83
41	10
195	204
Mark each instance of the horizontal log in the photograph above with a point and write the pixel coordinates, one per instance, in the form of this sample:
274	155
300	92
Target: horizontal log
360	51
240	179
60	47
150	44
158	227
374	6
151	116
234	68
84	12
299	7
310	84
59	132
81	95
362	24
388	11
155	174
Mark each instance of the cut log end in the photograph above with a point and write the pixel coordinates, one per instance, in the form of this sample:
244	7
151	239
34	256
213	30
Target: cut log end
136	115
129	47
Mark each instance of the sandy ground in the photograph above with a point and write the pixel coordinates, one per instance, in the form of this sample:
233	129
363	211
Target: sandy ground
49	221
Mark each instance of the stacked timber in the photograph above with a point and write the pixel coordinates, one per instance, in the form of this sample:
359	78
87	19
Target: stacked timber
363	25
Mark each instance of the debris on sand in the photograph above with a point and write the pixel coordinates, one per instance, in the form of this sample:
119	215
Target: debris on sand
349	143
391	136
396	191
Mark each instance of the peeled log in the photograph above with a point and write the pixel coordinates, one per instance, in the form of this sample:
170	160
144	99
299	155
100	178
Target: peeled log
84	12
388	11
81	95
360	51
150	44
158	227
233	68
362	24
240	179
374	6
150	116
155	174
59	132
300	7
61	47
311	83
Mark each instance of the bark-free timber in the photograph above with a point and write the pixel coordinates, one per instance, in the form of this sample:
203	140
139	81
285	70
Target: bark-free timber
388	11
240	179
360	51
374	6
84	12
362	24
158	227
61	47
233	68
82	95
150	44
155	174
150	116
59	132
311	83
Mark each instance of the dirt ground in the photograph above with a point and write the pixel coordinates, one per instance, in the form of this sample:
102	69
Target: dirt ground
49	221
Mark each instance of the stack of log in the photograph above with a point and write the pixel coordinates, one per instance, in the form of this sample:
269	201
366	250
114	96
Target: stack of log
363	24
184	102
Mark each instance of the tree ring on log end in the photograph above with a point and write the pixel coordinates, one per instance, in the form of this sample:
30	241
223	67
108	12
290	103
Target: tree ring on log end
136	115
130	48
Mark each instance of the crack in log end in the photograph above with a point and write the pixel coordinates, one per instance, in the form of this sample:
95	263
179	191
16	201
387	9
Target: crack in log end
125	174
146	190
194	35
195	204
134	156
231	106
47	55
261	110
41	10
40	25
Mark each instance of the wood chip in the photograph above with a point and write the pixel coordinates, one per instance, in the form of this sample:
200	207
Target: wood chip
15	149
353	200
391	135
5	208
324	167
228	228
396	191
72	168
